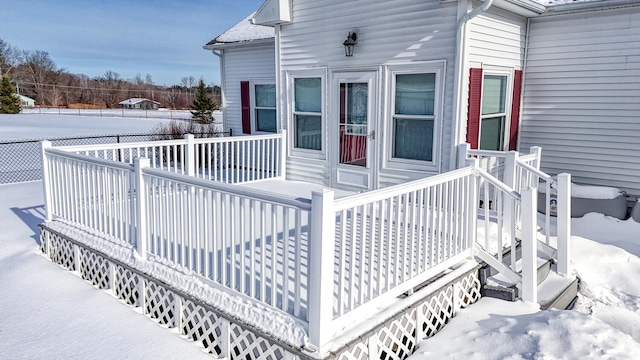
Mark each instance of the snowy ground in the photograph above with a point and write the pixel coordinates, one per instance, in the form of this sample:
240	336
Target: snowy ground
47	312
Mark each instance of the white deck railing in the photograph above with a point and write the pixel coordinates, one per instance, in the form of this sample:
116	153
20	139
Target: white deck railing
521	173
328	262
221	159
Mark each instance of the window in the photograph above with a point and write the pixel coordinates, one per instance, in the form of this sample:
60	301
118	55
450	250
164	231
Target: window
307	113
493	116
413	119
258	103
265	108
494	108
415	113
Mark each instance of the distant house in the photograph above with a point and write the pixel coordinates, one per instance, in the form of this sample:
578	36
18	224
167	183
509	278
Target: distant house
26	101
140	104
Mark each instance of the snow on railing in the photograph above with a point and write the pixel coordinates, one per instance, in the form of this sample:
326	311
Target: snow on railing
223	159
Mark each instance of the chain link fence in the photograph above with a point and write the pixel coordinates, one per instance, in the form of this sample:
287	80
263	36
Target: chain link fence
21	161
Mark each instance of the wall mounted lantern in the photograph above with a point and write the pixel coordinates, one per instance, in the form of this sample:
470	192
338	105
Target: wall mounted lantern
350	43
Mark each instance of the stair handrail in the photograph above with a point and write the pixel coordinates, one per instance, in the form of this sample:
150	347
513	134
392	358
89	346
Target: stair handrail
526	280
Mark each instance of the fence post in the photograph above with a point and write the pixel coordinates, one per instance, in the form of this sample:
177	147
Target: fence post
463	149
283	154
529	245
46	180
141	207
321	256
190	153
564	223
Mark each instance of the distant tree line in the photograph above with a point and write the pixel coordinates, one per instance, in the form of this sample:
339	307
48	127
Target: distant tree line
35	74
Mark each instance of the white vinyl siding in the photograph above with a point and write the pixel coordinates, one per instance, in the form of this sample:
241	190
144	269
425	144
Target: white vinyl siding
314	40
244	64
582	86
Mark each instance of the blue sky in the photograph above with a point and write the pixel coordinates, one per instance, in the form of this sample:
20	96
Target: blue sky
163	38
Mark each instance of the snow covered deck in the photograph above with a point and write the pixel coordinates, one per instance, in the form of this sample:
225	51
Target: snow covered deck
215	215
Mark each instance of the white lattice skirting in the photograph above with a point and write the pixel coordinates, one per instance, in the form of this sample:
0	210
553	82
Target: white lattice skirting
216	333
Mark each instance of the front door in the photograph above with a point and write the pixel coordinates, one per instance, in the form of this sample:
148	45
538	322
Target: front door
353	117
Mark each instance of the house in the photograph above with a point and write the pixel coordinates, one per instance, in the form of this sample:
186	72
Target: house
353	218
26	101
499	75
139	104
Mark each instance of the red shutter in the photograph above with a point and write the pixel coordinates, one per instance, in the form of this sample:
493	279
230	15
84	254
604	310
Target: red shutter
245	102
473	111
515	110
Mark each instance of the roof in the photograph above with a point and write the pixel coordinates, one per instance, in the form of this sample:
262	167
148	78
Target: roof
244	31
134	101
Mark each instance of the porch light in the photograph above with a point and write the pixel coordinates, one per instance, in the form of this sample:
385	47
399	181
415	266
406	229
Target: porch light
350	43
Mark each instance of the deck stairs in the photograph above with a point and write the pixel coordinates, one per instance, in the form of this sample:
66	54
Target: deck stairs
554	290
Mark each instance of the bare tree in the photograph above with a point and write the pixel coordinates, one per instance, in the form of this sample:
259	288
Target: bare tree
38	69
9	56
111	87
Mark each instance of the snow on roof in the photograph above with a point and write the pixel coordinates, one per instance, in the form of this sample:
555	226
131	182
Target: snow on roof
244	31
563	2
134	101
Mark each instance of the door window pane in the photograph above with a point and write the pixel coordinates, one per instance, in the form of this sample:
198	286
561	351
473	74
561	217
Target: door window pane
353	125
413	139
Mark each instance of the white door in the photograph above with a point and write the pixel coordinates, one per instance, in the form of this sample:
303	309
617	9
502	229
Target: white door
353	119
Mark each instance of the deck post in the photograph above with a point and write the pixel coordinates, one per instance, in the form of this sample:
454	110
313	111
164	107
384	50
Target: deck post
321	272
463	149
190	153
141	206
474	203
283	155
564	223
529	245
46	180
538	151
508	205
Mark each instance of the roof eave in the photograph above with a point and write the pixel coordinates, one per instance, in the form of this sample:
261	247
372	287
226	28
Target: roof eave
239	44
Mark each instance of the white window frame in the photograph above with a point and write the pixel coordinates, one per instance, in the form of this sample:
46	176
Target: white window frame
439	69
508	101
252	100
291	76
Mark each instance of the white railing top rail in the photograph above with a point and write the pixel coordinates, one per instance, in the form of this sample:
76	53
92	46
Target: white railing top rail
237	138
116	146
396	190
237	189
497	183
153	143
488	153
539	173
88	159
